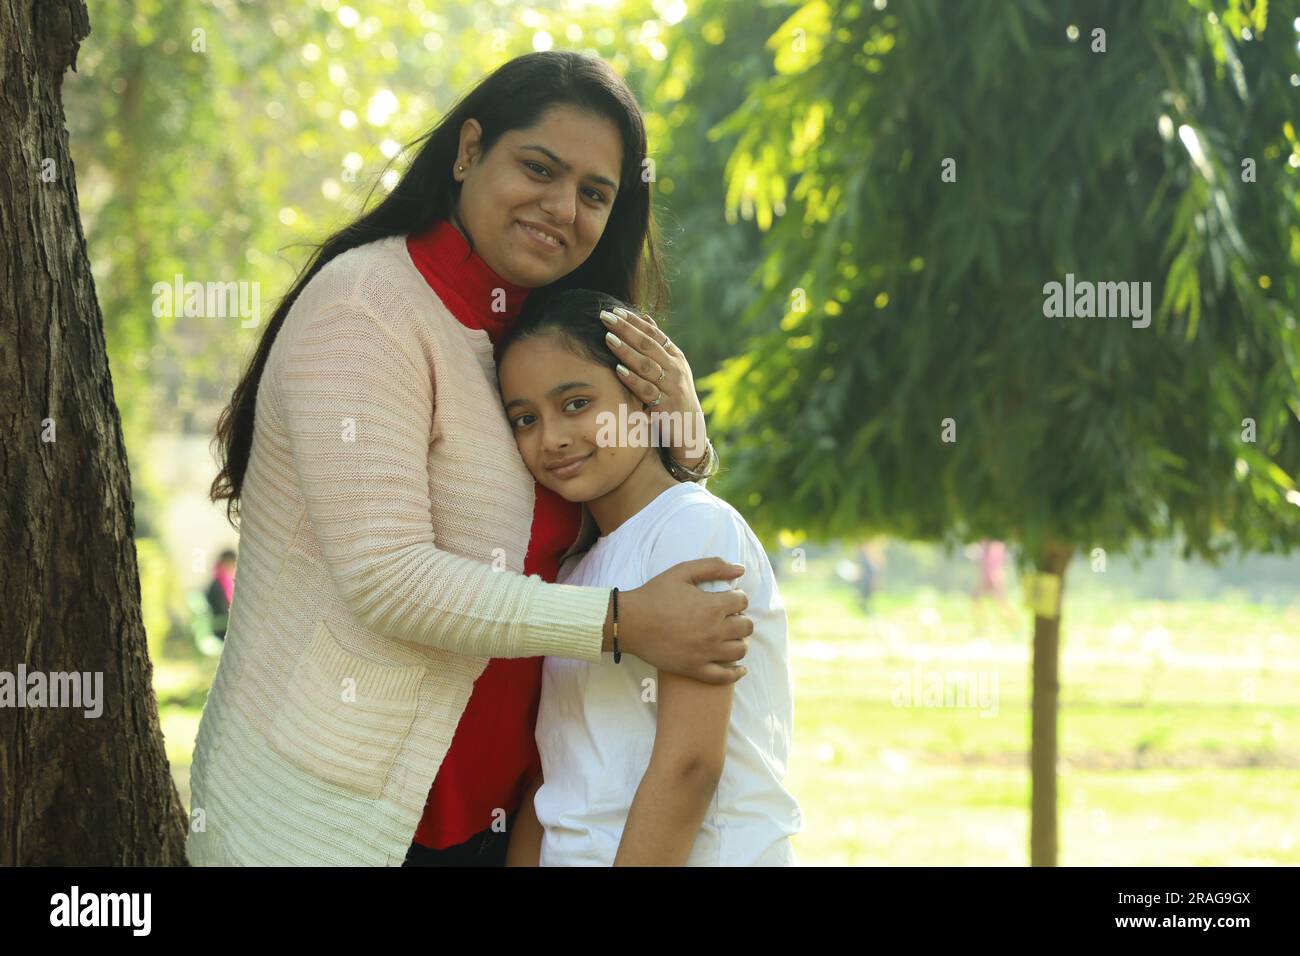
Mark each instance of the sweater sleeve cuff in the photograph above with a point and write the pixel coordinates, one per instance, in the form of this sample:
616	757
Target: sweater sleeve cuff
565	620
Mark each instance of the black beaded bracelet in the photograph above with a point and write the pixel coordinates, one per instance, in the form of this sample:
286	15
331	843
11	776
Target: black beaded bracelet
618	658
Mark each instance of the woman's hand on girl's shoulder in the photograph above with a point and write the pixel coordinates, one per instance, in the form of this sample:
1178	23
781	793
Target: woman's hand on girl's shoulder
675	626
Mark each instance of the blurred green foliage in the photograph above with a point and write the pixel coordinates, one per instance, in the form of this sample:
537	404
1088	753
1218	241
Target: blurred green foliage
158	591
859	299
1114	161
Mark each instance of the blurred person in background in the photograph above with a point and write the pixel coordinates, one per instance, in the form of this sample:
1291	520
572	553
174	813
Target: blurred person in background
990	558
221	591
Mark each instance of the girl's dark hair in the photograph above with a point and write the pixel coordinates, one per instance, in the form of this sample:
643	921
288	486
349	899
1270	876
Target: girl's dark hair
625	262
573	315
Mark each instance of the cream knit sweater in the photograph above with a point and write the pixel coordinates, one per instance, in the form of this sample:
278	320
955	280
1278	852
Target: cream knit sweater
384	520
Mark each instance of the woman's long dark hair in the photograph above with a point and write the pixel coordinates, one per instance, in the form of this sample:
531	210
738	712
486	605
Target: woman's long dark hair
625	262
574	316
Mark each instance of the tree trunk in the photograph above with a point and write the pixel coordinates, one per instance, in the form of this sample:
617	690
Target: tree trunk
79	788
1046	695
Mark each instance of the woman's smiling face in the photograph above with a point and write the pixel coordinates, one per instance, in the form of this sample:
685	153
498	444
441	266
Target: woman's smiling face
558	178
554	401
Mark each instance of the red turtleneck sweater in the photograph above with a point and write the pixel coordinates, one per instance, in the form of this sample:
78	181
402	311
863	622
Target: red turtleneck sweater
493	756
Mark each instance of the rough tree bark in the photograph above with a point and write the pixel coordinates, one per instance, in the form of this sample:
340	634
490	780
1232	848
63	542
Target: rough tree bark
73	789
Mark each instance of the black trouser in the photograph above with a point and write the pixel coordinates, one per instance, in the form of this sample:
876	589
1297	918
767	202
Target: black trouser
487	848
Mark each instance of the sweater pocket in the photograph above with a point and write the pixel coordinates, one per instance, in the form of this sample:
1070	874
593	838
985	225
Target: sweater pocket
344	719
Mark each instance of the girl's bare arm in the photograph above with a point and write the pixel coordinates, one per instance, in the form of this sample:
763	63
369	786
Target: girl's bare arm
685	766
525	847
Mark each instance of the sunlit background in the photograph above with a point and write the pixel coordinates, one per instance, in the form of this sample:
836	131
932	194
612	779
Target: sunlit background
214	140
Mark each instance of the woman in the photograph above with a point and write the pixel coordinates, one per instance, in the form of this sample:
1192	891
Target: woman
371	685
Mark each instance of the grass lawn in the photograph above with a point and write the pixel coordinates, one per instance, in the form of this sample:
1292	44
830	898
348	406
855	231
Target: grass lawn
1179	730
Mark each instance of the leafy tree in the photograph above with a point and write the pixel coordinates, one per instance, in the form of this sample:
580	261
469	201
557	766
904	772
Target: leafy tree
939	165
713	57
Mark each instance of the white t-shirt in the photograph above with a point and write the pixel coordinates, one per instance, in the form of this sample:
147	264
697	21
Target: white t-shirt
596	722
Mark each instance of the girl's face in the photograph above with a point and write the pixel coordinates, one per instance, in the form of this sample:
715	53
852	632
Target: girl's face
559	177
556	403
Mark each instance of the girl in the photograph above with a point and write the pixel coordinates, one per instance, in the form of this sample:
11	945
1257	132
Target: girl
640	766
375	700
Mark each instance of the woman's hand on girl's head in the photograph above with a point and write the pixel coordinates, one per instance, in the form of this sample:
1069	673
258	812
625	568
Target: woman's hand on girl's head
641	349
671	624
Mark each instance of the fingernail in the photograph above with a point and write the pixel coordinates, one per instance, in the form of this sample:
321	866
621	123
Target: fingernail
622	370
609	318
613	339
